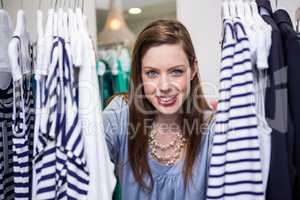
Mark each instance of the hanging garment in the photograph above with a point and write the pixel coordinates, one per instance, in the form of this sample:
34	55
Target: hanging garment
262	44
60	164
6	98
118	63
235	167
101	169
125	61
120	80
6	146
292	60
106	82
23	124
279	184
23	128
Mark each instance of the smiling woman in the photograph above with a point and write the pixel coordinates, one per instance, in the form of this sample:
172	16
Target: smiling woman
159	137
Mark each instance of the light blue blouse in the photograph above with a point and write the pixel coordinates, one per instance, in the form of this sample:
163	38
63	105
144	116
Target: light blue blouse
168	180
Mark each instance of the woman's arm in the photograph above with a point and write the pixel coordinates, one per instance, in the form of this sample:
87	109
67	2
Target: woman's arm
113	118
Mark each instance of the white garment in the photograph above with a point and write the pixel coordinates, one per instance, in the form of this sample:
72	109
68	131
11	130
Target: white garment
40	77
102	179
125	59
263	42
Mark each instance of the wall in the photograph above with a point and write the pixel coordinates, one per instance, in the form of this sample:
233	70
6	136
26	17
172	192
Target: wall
203	19
30	7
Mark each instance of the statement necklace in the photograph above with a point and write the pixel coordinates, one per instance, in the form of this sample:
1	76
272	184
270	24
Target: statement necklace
176	145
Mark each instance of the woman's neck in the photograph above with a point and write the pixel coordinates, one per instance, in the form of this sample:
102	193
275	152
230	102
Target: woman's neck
167	120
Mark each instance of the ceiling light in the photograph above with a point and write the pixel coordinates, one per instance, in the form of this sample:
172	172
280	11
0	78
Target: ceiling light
115	24
115	30
135	11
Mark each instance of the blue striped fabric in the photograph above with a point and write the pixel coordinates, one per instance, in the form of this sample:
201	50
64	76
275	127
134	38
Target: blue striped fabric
235	166
60	165
6	153
22	128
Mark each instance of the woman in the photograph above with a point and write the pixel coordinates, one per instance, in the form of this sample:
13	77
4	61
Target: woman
159	137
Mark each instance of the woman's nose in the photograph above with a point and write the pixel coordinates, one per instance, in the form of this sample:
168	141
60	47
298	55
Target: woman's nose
164	85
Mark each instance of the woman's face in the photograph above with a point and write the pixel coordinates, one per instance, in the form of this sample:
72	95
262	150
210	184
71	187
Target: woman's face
166	76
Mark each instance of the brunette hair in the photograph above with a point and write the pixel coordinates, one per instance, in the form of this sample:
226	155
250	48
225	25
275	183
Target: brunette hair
158	33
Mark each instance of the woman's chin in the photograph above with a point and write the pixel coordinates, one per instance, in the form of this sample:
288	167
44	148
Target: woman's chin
168	110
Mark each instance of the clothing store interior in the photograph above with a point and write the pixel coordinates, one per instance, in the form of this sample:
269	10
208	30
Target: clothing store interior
149	99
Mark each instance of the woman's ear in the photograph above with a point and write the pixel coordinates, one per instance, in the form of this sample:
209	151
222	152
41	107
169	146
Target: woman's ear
194	69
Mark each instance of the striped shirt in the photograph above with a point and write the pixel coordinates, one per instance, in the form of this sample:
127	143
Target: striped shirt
6	153
235	167
60	165
22	128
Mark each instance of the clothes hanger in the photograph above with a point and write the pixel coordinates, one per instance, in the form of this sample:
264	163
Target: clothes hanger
65	21
232	8
71	19
80	29
55	20
72	24
60	13
84	18
248	12
254	8
225	8
297	17
13	47
21	22
240	8
265	4
82	6
49	24
40	30
40	40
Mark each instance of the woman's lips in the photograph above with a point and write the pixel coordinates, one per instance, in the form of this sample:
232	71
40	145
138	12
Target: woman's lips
167	101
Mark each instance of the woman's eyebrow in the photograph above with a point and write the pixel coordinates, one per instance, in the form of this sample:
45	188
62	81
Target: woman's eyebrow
171	68
149	67
176	66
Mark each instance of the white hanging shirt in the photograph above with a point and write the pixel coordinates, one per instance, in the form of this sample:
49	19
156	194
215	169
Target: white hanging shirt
102	178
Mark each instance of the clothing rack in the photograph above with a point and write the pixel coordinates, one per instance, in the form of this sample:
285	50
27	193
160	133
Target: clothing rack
110	45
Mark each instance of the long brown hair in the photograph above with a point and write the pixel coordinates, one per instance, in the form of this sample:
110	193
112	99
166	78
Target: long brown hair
157	33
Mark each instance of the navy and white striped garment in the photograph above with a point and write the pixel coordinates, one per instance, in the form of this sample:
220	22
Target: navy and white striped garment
60	165
23	129
6	153
235	167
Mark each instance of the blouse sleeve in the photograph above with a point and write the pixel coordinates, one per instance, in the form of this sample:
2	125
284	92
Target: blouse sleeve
114	123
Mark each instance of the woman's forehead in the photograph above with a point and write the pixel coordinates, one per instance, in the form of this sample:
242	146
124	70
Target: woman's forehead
165	56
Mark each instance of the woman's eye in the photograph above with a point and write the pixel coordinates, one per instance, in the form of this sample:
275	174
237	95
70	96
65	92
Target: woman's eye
151	74
177	72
